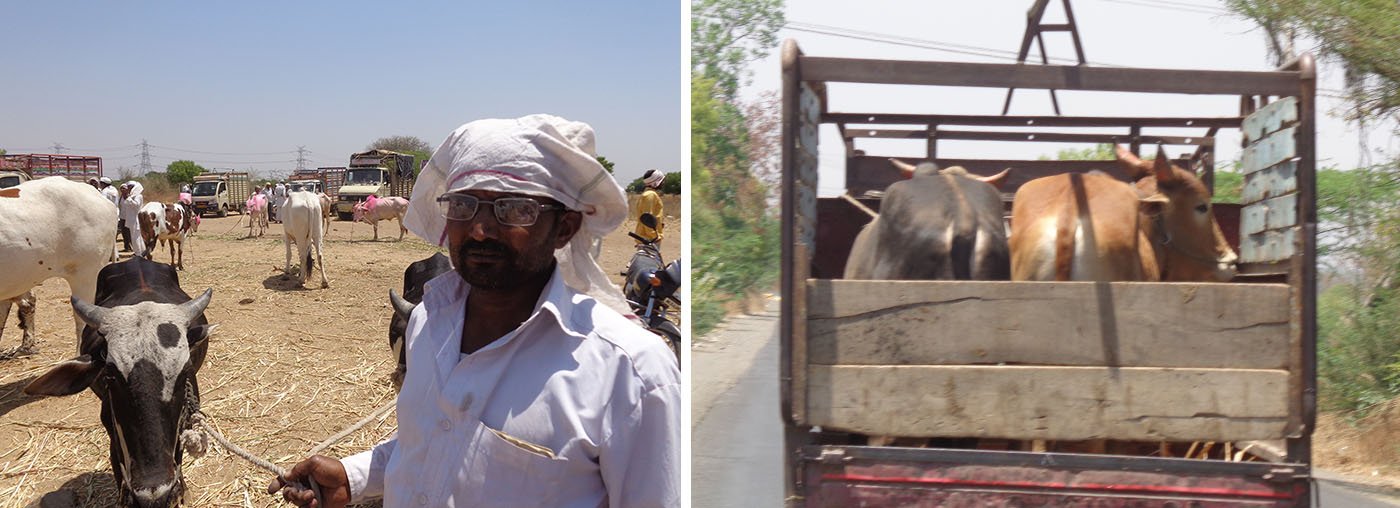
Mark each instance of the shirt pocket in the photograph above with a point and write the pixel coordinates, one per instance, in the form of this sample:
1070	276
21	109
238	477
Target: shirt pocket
516	472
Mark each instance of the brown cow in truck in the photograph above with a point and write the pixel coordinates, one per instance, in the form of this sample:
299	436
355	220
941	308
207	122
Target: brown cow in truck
1093	227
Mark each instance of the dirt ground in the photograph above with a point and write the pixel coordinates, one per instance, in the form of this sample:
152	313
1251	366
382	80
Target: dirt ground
287	368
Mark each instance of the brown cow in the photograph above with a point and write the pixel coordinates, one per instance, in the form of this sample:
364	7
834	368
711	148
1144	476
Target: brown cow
1093	227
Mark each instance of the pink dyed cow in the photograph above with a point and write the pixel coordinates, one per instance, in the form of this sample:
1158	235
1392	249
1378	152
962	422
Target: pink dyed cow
375	209
257	214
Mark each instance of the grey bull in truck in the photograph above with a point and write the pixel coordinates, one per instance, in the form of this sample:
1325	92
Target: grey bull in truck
987	371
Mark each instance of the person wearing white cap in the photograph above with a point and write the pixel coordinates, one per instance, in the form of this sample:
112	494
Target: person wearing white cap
130	206
108	191
526	383
650	202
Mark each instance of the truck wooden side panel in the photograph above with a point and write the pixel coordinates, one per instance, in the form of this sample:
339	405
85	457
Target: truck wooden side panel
860	476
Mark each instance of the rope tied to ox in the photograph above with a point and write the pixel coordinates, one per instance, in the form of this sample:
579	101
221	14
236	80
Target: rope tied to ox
197	424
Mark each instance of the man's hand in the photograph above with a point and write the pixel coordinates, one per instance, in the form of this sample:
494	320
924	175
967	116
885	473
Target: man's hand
328	473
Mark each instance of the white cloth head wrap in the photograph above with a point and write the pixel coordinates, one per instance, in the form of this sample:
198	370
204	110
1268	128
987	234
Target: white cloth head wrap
655	179
536	155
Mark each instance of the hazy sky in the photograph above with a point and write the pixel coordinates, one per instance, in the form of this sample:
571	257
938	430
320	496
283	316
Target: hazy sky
248	82
1181	34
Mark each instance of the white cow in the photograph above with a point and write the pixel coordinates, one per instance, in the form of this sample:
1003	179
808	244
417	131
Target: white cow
375	209
301	224
54	227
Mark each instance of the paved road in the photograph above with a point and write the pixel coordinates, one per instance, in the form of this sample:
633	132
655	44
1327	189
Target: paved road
737	438
736	453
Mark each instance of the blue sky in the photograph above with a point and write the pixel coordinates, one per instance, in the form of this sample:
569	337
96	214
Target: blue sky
250	81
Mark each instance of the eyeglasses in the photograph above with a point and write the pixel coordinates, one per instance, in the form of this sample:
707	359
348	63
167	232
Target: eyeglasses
509	211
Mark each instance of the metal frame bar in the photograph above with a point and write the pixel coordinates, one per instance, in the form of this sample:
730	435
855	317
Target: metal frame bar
1297	78
1031	121
1040	137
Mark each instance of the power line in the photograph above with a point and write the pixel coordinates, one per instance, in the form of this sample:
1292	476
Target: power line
301	157
223	153
1172	6
920	43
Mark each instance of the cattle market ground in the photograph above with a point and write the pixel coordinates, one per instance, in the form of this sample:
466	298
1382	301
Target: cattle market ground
287	367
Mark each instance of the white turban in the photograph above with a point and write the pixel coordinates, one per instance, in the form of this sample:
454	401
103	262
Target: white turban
654	178
537	155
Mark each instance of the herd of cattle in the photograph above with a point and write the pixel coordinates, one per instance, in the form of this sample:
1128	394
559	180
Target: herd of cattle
1076	226
141	338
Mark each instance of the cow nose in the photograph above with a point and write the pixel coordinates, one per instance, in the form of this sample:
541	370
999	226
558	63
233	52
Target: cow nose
160	496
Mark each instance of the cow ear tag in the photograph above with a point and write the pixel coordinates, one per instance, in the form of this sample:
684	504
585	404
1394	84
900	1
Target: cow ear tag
12	192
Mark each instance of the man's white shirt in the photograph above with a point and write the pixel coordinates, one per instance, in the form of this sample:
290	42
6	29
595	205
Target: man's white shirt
577	407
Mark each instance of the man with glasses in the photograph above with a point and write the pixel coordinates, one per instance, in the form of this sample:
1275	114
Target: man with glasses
526	385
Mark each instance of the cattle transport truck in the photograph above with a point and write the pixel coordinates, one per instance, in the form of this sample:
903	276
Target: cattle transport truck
17	168
221	193
379	172
985	368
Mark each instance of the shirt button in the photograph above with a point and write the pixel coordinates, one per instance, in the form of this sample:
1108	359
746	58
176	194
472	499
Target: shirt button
422	499
445	425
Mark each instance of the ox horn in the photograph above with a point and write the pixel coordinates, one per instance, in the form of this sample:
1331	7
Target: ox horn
402	307
195	307
89	313
904	167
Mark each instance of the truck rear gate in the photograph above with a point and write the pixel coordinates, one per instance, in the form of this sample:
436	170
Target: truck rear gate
1123	361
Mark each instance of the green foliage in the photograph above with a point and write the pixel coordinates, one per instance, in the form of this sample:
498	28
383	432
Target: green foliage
1228	185
672	183
728	34
1363	34
607	164
735	239
182	171
1100	152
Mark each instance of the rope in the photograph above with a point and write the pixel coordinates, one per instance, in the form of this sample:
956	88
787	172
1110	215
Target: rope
859	206
196	421
374	415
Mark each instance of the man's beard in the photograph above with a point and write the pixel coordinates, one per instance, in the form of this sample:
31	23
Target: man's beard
512	270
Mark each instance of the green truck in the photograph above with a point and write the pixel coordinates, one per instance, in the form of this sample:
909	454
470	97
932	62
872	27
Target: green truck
379	172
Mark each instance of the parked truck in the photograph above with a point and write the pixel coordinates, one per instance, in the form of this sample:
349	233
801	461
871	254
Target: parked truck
984	368
23	166
312	180
379	172
10	177
221	193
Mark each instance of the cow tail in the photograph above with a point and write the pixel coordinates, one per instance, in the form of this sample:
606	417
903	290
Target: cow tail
1064	231
964	241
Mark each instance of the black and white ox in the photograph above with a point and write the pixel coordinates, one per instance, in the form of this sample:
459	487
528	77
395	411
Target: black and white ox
144	342
418	273
935	225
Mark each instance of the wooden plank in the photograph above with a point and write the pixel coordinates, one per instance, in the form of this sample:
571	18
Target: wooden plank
1125	324
1272	182
1030	120
1270	118
1270	151
1066	403
867	173
1040	137
1060	77
1276	213
1269	246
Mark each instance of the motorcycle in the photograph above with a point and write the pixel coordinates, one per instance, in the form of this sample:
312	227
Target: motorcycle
650	288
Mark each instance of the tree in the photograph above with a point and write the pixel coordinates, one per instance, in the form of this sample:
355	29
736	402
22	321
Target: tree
182	171
1362	35
728	34
412	145
607	164
672	183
